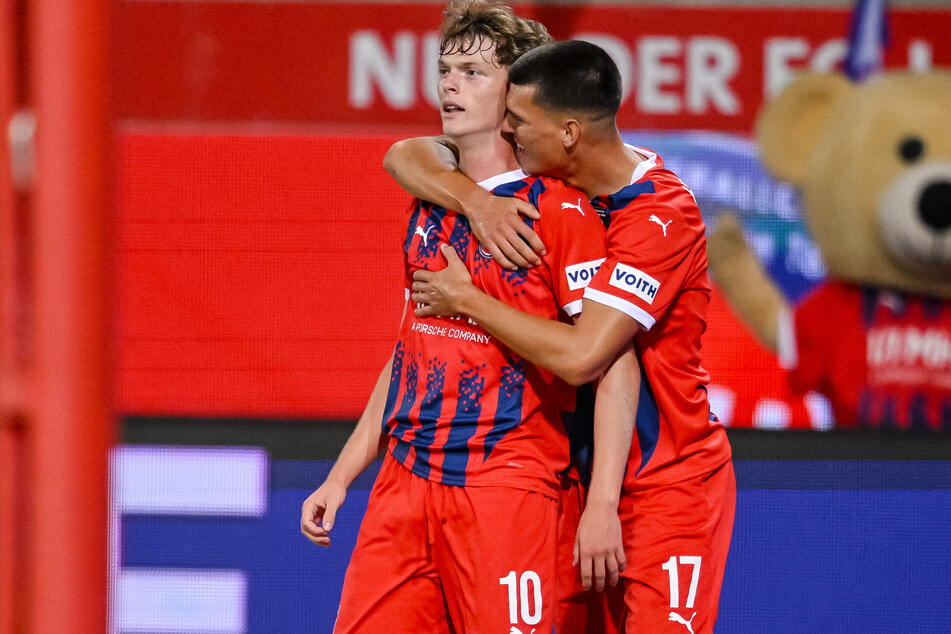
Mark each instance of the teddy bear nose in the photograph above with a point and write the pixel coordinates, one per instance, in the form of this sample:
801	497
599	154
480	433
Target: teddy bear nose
935	205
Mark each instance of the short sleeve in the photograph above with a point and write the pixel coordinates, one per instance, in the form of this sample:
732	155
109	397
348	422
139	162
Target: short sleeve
415	211
574	238
656	248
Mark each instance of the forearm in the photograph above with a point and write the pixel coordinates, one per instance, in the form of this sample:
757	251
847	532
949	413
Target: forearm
427	168
578	354
615	410
367	439
542	342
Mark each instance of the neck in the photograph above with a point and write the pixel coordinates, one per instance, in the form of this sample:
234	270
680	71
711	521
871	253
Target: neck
603	166
484	156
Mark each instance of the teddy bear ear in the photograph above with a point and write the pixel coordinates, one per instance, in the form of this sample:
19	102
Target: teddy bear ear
790	124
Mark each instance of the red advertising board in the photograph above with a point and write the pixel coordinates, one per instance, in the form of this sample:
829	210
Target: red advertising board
372	64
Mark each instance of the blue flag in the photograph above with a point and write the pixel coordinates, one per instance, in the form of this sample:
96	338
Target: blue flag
868	38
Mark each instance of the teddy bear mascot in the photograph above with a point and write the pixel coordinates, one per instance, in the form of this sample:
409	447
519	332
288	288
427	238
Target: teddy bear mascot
872	164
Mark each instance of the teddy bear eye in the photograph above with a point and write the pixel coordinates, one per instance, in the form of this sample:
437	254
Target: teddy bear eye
911	149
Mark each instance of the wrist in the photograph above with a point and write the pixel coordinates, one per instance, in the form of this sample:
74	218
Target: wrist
467	301
603	499
472	198
338	480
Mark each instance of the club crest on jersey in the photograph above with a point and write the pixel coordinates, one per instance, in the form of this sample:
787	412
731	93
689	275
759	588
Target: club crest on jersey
580	275
634	281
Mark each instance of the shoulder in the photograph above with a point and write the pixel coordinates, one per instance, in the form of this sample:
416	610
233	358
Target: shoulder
669	186
518	187
551	193
654	181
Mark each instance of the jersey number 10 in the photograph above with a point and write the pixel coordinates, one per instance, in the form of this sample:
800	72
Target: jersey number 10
522	599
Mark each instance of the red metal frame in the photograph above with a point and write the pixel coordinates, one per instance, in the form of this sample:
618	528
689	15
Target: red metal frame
57	419
11	433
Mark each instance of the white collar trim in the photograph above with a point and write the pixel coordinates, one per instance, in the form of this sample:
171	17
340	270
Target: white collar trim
644	166
500	179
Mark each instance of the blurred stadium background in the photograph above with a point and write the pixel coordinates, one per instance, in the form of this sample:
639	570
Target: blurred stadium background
253	284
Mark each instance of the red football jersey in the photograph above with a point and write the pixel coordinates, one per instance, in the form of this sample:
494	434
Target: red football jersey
882	358
656	272
463	409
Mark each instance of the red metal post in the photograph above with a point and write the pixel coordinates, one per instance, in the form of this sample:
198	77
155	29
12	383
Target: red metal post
12	451
71	425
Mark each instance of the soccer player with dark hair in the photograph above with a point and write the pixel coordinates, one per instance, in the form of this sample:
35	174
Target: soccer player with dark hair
461	530
678	497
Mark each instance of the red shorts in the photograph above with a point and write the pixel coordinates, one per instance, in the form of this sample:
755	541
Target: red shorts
437	558
580	611
676	540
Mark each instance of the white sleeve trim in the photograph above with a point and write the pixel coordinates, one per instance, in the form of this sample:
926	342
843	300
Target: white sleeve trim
573	308
639	315
786	349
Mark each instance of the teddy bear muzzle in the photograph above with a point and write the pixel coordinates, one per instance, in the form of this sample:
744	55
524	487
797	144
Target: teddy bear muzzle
914	216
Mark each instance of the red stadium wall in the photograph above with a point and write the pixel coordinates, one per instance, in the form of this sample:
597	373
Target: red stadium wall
261	275
258	237
258	275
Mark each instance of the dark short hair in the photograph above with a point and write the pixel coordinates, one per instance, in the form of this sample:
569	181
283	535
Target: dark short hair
469	25
571	76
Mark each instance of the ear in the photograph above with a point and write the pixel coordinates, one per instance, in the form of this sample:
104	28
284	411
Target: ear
792	122
571	133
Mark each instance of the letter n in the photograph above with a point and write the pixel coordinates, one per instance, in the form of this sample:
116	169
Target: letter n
371	65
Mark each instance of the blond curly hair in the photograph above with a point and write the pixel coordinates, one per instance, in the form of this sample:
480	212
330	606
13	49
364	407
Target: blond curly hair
469	25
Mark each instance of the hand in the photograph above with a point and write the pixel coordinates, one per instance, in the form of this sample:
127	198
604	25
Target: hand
499	227
440	292
599	549
319	511
725	241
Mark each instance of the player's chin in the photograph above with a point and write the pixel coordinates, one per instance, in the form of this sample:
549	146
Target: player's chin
452	126
525	162
528	168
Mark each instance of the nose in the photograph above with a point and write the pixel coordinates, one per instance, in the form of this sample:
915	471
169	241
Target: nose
934	206
506	128
449	82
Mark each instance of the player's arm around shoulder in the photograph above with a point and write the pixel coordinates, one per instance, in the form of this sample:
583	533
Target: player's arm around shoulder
410	161
428	168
